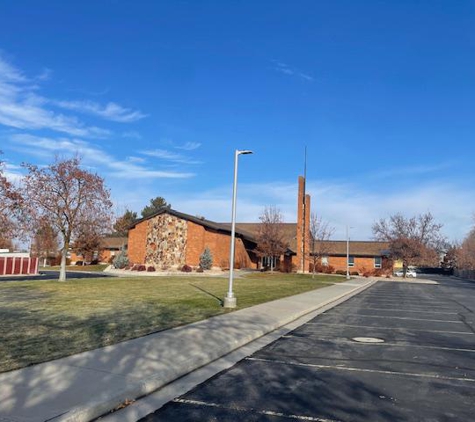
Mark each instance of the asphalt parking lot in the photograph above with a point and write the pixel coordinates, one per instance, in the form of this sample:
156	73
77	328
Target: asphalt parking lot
53	275
414	361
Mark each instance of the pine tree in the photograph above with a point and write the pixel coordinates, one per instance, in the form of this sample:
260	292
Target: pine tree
206	259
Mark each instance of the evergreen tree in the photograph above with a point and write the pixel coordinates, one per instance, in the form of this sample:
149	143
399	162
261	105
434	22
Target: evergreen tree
206	259
155	205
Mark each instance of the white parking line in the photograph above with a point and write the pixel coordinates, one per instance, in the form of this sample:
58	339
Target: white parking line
387	344
373	371
261	412
408	318
391	328
406	302
397	310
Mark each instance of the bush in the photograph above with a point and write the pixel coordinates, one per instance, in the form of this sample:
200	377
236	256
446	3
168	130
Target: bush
151	269
340	272
141	268
200	270
79	263
186	269
121	260
328	269
206	259
354	273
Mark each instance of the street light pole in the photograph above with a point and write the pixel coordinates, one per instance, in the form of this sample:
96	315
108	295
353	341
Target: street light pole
230	299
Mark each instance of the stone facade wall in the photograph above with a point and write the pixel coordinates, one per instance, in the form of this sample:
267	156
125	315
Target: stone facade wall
166	241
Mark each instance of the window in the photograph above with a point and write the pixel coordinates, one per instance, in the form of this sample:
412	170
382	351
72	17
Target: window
377	262
325	261
351	261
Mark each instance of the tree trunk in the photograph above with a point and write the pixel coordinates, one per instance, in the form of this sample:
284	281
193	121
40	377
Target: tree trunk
62	270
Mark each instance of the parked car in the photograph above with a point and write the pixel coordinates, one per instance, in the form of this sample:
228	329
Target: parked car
409	273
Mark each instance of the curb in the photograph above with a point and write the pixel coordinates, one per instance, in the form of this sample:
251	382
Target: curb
113	399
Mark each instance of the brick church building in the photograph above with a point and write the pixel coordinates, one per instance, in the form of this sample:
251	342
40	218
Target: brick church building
171	239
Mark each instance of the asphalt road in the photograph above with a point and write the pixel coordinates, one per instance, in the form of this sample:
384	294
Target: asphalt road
423	368
53	275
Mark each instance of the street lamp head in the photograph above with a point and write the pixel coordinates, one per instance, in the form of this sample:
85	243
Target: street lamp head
244	151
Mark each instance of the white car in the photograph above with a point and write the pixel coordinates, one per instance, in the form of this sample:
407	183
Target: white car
409	273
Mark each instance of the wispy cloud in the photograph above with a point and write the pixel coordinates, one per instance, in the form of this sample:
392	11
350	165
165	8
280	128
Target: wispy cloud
110	111
22	108
167	155
338	203
402	170
288	70
93	156
189	146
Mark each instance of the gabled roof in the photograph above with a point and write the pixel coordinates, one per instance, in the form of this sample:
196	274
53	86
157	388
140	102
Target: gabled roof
219	227
357	248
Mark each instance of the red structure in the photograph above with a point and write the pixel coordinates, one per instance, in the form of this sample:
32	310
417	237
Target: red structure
18	264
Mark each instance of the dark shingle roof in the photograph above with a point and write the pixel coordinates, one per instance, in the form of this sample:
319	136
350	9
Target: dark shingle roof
250	231
357	248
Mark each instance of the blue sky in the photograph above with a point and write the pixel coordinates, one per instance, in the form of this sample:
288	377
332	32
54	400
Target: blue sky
155	96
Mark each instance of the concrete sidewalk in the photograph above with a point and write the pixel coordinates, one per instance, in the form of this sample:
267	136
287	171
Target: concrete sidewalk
87	385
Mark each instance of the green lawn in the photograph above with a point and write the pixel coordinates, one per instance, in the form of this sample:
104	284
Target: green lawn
45	320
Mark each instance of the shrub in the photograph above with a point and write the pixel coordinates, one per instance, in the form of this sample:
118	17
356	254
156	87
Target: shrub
200	270
186	269
206	259
141	268
340	272
354	273
151	269
79	263
328	269
121	260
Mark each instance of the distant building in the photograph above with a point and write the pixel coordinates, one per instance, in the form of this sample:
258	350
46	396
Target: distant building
17	263
109	248
169	238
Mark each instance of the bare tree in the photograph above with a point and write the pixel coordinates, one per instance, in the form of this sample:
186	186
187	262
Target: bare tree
67	198
320	234
122	223
414	241
87	242
271	242
466	252
11	209
45	243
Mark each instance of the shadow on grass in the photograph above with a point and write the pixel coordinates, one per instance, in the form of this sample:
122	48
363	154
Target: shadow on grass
220	301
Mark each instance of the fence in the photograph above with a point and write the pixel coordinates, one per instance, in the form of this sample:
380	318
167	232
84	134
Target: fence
470	274
18	265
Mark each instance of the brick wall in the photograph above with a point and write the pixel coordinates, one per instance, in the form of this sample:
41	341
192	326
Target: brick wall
301	260
361	263
137	243
218	243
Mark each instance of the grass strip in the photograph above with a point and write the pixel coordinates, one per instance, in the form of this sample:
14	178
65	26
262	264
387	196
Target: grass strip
46	320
